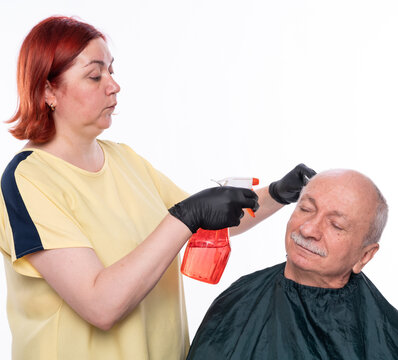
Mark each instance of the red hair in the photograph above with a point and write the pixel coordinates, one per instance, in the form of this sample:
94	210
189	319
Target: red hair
46	53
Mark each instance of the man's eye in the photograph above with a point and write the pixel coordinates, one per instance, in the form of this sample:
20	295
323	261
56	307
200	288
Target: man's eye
337	226
304	209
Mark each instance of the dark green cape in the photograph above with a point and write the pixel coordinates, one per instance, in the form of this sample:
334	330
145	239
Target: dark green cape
266	316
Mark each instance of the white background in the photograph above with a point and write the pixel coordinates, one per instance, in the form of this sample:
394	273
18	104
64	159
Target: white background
216	88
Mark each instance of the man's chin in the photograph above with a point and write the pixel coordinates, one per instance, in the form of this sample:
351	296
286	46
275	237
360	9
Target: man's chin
303	260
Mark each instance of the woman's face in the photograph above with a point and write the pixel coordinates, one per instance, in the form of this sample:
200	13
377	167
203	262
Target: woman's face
86	97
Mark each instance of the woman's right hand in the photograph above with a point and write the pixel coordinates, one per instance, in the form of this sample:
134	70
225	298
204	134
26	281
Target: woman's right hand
215	208
104	295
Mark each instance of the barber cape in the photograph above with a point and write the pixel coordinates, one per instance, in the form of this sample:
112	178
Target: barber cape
267	316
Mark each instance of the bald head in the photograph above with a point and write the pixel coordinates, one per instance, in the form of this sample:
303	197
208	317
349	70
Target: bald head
334	229
352	186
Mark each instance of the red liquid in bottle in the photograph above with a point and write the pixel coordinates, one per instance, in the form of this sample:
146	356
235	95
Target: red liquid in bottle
206	255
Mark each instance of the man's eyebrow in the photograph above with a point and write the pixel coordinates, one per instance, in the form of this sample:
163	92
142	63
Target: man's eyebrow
99	62
309	198
333	213
339	214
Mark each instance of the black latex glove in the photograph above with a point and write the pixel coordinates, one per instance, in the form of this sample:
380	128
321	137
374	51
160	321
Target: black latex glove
215	208
287	189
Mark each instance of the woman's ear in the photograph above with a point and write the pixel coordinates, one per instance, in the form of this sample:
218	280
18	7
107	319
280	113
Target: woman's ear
49	95
367	254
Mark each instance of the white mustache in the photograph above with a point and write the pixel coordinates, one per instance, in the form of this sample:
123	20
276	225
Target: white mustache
307	244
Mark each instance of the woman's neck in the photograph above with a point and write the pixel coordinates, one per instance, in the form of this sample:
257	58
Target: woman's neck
84	154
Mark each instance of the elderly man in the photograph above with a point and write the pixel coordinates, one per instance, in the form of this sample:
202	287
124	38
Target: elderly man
317	305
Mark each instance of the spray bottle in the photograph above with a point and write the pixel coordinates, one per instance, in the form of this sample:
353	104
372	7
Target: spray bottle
207	251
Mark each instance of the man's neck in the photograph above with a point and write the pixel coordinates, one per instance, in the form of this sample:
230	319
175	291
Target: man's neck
311	278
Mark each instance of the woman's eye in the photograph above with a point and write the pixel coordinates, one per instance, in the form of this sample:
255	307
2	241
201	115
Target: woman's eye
95	78
304	209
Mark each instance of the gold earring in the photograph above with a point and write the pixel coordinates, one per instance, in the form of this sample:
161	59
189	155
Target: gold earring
52	107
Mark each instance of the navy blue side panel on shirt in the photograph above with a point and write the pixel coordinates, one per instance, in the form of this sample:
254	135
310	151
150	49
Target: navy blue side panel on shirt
26	237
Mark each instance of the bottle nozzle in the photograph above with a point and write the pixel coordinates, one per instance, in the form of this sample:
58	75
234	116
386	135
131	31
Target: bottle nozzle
244	182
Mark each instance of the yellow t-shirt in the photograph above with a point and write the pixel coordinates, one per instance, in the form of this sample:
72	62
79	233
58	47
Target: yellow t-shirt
48	203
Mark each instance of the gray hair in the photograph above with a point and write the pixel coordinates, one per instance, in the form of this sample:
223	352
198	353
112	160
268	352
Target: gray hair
379	220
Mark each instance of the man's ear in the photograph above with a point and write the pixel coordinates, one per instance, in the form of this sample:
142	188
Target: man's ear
49	95
367	254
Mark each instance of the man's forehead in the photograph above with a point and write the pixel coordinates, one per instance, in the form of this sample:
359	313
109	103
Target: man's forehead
347	182
343	191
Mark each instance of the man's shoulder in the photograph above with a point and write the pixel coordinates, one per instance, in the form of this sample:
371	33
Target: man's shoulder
260	275
247	284
374	297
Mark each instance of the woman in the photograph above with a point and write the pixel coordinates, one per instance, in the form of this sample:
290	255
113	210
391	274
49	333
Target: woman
89	245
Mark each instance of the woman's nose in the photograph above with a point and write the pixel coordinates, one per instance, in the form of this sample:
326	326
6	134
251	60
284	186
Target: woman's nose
113	87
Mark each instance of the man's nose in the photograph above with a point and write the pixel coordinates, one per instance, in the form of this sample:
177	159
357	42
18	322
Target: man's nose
312	229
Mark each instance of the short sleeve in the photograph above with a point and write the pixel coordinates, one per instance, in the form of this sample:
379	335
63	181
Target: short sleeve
169	192
3	242
34	222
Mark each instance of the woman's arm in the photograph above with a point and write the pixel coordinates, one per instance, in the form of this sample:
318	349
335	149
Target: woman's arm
279	193
268	206
104	295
